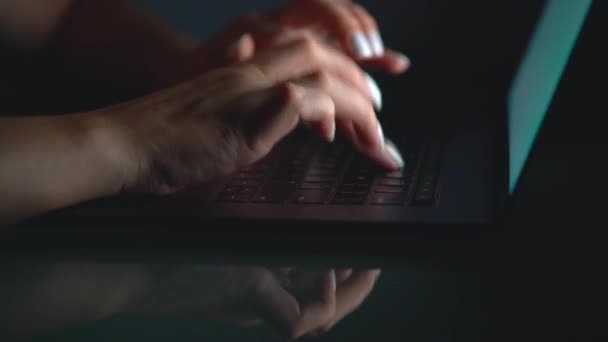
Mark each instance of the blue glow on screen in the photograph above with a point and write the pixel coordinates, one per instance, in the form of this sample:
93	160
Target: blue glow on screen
538	76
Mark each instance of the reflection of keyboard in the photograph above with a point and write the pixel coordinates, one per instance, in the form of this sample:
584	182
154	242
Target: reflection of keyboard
333	174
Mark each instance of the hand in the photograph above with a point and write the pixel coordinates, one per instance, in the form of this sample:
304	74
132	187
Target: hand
355	30
349	25
230	118
296	302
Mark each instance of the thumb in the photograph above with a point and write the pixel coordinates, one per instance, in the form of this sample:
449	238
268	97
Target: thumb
241	50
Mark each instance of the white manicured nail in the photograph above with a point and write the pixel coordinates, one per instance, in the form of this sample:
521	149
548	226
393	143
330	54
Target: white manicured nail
332	136
374	91
376	42
361	45
394	153
380	135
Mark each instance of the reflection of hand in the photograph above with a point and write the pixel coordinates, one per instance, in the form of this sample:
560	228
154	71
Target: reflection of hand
39	297
352	28
295	302
232	117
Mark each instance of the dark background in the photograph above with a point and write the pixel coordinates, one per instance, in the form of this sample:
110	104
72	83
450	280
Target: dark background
473	45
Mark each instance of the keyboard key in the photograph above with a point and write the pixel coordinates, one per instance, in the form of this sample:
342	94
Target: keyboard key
285	179
387	199
318	179
244	182
316	186
358	178
353	193
390	189
321	172
235	198
248	190
399	174
392	182
228	190
274	193
360	186
427	181
310	196
248	176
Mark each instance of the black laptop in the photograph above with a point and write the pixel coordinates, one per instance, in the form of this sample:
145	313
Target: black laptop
450	176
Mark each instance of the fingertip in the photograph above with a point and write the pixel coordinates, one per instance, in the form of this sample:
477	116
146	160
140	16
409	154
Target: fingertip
399	62
242	49
394	154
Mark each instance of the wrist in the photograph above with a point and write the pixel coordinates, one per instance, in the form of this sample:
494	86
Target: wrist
114	158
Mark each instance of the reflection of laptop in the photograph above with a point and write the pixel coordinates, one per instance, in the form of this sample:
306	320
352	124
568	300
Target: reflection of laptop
446	180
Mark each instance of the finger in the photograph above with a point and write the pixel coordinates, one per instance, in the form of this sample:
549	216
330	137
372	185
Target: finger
320	311
356	117
333	16
306	56
343	274
282	107
291	36
241	50
352	293
349	106
276	306
306	284
392	62
387	156
370	28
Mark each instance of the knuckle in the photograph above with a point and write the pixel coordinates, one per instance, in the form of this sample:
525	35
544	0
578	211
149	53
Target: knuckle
322	79
309	46
364	16
344	19
289	93
261	286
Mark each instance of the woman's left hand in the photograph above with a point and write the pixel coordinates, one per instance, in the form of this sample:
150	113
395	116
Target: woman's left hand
344	24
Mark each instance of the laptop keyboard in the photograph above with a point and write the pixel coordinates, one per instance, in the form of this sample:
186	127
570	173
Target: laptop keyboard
334	174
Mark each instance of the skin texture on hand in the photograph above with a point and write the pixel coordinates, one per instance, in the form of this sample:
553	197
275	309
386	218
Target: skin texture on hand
230	118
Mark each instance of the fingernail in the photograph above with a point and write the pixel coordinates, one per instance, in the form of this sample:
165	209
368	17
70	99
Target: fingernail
361	45
376	42
394	153
332	281
332	136
374	91
380	135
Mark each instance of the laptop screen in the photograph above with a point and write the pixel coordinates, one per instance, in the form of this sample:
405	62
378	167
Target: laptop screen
538	76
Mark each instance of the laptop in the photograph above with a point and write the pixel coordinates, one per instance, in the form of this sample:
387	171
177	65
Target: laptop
451	177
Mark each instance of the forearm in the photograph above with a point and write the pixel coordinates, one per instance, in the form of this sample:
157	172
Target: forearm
56	161
38	297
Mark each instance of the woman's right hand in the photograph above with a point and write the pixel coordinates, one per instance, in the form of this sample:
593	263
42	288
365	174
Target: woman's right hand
230	118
